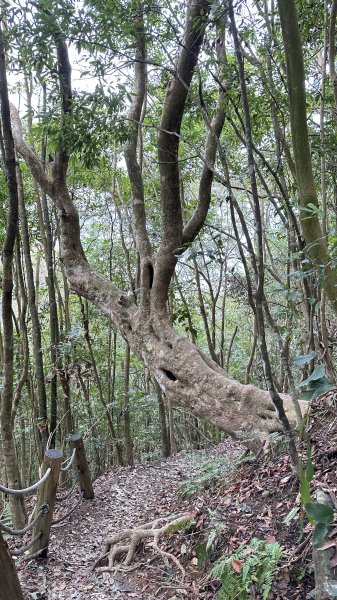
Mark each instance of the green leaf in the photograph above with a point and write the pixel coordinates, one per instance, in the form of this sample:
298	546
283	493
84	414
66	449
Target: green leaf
316	388
291	515
319	534
309	471
318	373
321	513
305	489
304	359
202	555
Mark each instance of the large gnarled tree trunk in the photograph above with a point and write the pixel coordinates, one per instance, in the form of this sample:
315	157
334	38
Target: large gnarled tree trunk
184	374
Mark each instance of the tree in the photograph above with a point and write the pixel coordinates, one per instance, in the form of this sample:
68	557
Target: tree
8	443
184	373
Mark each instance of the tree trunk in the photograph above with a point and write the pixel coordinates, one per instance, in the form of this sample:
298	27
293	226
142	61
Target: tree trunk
9	582
36	328
126	409
173	445
316	242
8	443
162	419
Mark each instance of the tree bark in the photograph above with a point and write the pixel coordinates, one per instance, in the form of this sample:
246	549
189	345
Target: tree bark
126	409
162	419
310	225
36	328
9	582
8	443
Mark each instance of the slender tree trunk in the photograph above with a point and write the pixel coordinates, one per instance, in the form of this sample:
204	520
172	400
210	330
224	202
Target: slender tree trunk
84	310
126	409
252	353
162	419
173	445
23	334
230	347
8	444
36	327
203	313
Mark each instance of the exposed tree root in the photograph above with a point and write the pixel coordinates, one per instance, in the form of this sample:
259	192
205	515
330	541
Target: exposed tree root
126	542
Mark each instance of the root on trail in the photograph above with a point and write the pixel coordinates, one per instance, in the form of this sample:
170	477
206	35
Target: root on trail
126	542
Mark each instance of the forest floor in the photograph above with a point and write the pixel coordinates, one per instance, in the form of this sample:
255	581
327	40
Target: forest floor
237	499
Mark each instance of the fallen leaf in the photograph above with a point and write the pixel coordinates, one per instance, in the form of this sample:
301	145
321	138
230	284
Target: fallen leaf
237	566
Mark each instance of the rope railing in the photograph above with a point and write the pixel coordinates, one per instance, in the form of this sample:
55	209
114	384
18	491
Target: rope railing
23	549
69	461
28	490
69	512
19	532
68	494
47	486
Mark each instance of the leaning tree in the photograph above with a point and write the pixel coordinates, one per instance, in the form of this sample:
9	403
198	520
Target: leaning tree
185	374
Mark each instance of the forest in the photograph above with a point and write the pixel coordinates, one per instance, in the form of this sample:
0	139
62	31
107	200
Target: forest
168	332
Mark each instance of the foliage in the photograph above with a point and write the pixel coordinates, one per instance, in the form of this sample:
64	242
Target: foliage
210	473
250	568
205	549
6	519
316	383
318	513
180	527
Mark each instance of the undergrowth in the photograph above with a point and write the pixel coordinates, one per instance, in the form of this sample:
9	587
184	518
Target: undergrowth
210	472
251	568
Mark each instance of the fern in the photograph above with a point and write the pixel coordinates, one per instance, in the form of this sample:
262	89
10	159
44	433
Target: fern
209	473
6	519
258	569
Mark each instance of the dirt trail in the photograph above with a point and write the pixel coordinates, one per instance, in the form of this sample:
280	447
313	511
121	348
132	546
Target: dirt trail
123	498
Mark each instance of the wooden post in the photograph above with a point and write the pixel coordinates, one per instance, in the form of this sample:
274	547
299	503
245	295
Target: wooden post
47	495
81	462
9	582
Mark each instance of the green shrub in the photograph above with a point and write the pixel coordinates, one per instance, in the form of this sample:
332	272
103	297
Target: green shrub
251	567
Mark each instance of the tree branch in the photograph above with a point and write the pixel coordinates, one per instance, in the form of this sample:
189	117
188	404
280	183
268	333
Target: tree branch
168	146
28	154
130	151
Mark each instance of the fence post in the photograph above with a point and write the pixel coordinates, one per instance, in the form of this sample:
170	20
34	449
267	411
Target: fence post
47	495
83	471
9	581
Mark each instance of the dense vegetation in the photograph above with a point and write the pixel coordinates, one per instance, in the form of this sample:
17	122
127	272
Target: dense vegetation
169	211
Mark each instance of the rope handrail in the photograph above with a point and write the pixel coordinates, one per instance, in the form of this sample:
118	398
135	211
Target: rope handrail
19	551
67	495
69	461
64	484
27	490
70	511
43	511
